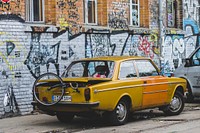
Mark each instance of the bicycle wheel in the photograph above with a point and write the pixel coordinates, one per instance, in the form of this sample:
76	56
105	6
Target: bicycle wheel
48	89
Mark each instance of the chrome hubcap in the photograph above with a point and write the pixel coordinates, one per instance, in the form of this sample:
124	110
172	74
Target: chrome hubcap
121	112
175	104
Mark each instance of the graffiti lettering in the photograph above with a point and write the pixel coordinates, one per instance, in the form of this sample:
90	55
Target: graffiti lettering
73	18
40	55
118	18
9	101
154	13
9	46
10	7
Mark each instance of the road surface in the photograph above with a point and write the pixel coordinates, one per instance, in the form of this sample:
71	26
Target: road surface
147	121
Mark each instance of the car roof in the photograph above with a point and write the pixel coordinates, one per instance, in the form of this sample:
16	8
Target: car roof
114	58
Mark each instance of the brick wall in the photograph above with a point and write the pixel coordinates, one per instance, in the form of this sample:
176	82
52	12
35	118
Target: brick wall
50	12
102	12
144	12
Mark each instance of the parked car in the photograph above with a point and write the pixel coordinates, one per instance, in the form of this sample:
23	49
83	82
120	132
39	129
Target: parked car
190	71
128	84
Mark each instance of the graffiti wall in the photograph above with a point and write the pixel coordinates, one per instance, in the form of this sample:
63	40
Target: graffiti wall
12	54
177	46
191	24
25	53
173	52
119	14
70	16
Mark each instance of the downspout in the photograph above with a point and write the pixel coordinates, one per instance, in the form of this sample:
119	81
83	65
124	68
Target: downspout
161	34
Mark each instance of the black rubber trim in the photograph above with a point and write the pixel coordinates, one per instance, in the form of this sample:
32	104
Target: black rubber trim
94	104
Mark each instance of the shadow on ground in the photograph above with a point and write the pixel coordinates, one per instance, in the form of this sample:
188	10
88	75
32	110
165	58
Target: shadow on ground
80	123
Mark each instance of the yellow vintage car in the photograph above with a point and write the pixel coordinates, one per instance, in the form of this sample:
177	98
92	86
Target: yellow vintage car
110	86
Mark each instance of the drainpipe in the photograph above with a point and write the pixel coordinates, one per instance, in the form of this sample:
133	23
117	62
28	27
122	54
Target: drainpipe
160	32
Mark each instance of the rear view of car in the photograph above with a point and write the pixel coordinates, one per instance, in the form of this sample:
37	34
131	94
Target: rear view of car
108	86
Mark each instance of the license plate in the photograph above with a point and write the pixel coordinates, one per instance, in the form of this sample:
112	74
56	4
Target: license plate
64	98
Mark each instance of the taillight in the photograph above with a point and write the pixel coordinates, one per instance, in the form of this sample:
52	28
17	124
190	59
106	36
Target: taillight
87	94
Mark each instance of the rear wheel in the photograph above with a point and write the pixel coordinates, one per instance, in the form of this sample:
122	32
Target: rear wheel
176	106
119	115
65	117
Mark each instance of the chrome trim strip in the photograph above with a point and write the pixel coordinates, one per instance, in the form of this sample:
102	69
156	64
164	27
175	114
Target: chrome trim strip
116	88
152	92
134	86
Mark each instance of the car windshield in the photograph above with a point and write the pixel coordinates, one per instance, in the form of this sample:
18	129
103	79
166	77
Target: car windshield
101	69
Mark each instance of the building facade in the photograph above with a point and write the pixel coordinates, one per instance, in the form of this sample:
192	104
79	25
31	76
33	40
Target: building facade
38	36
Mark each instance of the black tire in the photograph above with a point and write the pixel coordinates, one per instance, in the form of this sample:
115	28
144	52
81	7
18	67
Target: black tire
64	117
41	86
189	96
120	114
176	106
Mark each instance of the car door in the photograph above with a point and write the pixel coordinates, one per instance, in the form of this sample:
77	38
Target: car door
155	91
129	78
193	73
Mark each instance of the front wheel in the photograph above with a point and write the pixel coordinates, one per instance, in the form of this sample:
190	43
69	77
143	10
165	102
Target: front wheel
176	106
119	115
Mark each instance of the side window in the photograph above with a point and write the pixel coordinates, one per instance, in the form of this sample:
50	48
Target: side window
127	70
91	11
146	68
196	58
35	10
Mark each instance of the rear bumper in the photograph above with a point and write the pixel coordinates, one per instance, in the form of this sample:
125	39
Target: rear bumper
67	107
93	104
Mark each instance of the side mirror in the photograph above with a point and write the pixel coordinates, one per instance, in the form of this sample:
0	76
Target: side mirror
187	62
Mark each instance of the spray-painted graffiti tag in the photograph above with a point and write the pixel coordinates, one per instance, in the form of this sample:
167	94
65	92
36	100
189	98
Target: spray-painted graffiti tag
42	55
10	7
118	17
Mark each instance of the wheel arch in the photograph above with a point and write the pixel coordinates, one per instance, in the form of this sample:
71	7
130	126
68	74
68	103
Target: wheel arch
189	87
127	98
180	89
